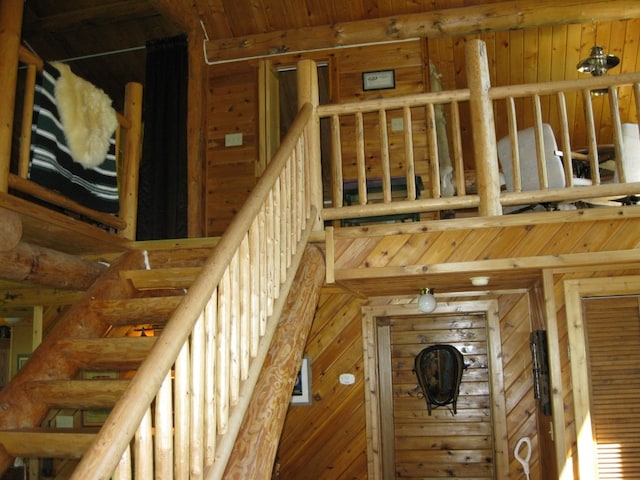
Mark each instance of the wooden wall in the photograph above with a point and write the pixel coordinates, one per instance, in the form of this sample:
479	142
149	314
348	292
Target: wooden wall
232	106
613	329
516	56
442	444
327	439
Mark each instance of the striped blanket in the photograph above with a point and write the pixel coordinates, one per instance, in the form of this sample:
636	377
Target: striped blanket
51	163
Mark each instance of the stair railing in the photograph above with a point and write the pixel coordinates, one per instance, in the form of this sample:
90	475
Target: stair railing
184	407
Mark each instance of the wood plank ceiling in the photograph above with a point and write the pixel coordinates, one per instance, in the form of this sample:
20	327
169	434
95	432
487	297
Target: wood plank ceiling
548	49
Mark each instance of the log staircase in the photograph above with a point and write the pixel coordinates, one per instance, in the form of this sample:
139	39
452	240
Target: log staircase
102	334
181	397
95	349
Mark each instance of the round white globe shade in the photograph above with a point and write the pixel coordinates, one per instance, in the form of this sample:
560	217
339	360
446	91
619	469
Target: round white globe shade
426	303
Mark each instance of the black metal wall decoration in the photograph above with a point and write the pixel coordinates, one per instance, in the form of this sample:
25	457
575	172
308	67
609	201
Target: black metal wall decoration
538	344
439	370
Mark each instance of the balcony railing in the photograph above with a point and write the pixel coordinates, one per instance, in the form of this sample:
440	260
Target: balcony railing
476	182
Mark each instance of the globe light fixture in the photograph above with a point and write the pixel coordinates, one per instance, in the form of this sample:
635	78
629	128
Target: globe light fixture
426	301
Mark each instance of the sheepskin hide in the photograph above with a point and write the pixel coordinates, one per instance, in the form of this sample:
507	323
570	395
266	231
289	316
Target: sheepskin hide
87	117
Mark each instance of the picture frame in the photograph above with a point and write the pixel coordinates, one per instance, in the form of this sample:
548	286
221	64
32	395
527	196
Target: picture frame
21	360
302	389
379	80
97	417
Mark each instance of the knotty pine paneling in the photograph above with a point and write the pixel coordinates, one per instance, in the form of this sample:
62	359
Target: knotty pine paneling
516	56
441	445
327	438
372	249
232	101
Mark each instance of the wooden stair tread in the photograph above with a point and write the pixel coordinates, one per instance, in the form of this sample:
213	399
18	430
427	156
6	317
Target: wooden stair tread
174	277
135	311
109	352
35	442
77	394
184	257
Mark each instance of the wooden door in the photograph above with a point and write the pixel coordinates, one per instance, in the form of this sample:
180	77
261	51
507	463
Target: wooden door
442	444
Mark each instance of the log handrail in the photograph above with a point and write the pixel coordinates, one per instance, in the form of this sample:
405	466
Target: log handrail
225	320
480	95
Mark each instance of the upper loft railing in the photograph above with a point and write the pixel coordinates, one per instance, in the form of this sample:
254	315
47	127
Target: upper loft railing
212	348
15	182
379	145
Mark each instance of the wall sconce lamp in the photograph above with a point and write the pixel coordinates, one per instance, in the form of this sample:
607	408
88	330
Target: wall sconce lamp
597	64
426	301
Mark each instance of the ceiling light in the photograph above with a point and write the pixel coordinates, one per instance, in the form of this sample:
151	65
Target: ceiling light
426	301
598	62
479	281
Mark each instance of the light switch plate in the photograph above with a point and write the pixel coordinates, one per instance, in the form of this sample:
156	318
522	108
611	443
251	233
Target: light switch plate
233	139
64	421
397	124
347	379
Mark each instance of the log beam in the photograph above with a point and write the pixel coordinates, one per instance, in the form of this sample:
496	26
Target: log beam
10	229
42	266
257	442
10	32
502	16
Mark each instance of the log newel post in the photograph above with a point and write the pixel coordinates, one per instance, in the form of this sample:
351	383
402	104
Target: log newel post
308	93
133	147
10	31
483	128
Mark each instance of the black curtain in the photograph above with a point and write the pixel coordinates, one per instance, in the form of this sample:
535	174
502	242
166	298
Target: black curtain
162	202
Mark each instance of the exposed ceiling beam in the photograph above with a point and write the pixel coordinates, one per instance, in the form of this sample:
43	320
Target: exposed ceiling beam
91	16
443	23
182	14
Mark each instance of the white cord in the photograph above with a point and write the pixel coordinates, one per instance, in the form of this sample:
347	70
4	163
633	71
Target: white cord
523	461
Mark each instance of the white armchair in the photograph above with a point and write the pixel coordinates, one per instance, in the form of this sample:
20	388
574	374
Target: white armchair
529	176
631	152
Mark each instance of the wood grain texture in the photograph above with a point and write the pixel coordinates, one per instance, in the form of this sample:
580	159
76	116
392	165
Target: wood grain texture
257	441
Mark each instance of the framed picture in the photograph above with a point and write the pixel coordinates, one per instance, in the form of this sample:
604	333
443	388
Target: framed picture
380	80
96	417
22	359
302	388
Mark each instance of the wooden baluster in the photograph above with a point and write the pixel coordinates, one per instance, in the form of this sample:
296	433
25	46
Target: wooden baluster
543	179
360	160
456	141
591	136
384	155
432	142
336	161
408	153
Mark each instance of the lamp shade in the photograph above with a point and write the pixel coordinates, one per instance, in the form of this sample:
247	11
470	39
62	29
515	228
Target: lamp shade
598	62
426	301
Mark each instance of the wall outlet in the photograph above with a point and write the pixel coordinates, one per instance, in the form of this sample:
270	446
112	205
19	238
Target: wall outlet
397	124
233	139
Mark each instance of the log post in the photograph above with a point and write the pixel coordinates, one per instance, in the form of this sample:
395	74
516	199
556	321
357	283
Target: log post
483	128
10	31
132	147
307	83
257	442
10	229
43	266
